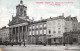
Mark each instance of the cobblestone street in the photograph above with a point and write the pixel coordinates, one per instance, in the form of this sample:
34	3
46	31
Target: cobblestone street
40	48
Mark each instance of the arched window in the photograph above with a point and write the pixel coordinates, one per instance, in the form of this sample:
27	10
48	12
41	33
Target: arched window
21	11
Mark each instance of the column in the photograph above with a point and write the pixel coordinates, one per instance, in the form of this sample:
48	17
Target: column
26	34
15	35
22	34
18	34
12	35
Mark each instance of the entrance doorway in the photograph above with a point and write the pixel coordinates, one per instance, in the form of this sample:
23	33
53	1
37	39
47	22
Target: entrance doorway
75	40
49	41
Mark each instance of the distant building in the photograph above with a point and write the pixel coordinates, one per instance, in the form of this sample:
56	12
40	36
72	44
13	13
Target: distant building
79	26
72	37
71	24
0	35
37	32
4	34
49	31
55	29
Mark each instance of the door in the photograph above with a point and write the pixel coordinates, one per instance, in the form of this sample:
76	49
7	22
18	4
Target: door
49	41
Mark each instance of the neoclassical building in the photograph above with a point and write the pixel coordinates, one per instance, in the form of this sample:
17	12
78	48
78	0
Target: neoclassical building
49	31
18	27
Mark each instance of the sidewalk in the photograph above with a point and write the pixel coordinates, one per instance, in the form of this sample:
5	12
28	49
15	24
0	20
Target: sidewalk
52	47
42	48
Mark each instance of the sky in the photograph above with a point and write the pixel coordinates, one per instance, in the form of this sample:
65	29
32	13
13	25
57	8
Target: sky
36	10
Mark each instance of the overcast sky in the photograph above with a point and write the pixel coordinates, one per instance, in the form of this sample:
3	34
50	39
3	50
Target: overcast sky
8	8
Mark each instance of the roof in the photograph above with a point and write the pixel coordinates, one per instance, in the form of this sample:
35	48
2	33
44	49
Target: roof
18	20
69	18
55	18
40	21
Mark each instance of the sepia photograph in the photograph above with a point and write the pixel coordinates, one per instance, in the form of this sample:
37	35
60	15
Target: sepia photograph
39	25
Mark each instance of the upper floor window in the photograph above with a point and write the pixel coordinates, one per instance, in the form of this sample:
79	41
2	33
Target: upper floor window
40	31
59	31
54	31
49	31
40	25
53	22
44	31
59	28
36	26
29	32
33	32
29	27
44	24
36	31
33	26
49	23
58	23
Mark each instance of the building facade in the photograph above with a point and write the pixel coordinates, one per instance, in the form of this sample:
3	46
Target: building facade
49	31
37	32
79	26
4	34
72	37
18	27
71	24
55	29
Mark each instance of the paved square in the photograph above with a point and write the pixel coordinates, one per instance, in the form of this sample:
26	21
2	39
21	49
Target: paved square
40	48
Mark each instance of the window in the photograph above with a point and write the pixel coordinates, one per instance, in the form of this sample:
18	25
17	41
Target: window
49	31
45	25
37	32
58	23
59	31
40	25
44	31
58	28
33	26
36	26
54	31
30	27
49	23
33	32
29	32
40	31
53	22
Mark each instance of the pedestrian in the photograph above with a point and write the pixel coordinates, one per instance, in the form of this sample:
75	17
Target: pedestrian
44	44
64	43
50	44
24	44
11	44
6	44
71	43
20	44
